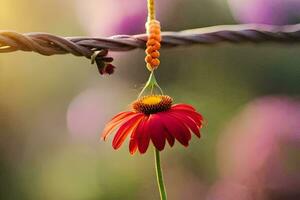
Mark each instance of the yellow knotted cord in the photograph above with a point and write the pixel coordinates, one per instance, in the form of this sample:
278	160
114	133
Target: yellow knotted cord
151	10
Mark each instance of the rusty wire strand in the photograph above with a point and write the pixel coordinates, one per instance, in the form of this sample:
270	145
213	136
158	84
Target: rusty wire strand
48	44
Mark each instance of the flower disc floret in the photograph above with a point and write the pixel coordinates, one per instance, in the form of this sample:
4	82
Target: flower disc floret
152	104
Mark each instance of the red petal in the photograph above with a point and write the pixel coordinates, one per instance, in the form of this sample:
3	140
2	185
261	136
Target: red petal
176	128
132	146
133	142
170	137
192	114
142	136
189	122
155	128
184	107
115	121
126	129
121	114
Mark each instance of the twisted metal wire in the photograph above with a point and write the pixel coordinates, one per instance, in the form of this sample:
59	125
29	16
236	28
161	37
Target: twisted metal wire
48	44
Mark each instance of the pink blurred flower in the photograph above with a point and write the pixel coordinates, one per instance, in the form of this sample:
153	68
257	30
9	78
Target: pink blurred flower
90	109
255	149
265	11
84	114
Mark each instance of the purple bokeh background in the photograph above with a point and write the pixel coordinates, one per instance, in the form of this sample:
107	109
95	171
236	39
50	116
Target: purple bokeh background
256	149
265	11
128	17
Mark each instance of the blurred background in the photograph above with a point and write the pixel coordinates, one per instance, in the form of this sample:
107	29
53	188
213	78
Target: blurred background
52	109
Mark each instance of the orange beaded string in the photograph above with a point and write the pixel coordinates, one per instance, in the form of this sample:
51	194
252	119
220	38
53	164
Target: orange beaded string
153	44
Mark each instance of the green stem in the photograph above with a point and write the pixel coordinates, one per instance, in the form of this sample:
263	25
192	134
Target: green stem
151	84
159	175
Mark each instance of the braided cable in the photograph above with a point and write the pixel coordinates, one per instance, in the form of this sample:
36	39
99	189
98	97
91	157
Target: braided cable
48	44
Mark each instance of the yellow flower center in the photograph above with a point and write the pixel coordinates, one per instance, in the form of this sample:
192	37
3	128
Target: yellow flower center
152	104
151	100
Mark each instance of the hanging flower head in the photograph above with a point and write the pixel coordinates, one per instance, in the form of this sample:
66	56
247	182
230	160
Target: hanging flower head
154	118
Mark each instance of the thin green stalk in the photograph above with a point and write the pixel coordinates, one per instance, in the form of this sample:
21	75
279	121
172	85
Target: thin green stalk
151	84
159	175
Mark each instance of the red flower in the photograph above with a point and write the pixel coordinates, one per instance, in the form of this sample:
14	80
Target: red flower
154	118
